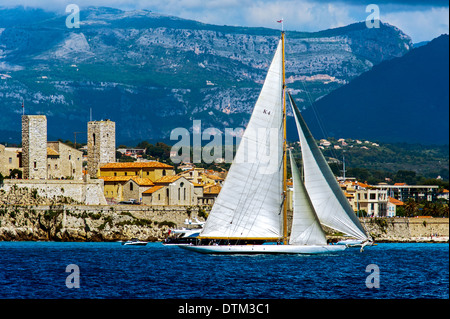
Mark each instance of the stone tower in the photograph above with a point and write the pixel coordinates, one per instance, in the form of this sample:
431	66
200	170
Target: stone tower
101	145
34	146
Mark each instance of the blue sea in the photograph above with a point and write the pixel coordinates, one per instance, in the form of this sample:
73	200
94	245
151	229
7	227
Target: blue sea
39	270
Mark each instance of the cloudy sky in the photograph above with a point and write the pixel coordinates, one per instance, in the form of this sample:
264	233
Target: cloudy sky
422	20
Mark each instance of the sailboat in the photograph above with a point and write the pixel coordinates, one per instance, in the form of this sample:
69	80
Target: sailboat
249	215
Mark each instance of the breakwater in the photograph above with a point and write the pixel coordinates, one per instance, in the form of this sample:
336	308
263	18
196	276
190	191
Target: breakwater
151	223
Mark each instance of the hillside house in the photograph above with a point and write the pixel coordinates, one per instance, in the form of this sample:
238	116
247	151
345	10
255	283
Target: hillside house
392	206
172	190
134	187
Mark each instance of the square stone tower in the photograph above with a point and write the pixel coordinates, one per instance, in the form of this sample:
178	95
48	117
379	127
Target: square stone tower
34	146
101	145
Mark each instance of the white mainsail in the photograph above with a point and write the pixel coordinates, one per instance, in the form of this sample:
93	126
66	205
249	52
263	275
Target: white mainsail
306	229
329	202
250	201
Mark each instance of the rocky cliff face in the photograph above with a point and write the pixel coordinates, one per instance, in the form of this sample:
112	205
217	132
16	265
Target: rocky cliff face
146	68
25	216
114	223
90	223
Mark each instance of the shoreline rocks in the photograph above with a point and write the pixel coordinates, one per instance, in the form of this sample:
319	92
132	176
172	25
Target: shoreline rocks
152	223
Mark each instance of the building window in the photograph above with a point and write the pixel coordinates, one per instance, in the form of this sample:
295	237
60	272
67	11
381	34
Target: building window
125	173
93	137
164	172
10	160
131	186
178	194
159	196
56	166
70	157
184	190
115	173
35	164
372	196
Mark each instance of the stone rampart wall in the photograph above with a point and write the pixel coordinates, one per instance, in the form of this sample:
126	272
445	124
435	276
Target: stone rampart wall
407	229
89	192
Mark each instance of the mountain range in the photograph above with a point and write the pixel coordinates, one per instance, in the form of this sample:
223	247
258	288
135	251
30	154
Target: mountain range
152	73
403	99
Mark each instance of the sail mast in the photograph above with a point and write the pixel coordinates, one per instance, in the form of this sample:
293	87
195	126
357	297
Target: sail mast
285	235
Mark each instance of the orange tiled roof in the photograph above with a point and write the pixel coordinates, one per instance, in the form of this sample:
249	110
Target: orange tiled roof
364	185
115	178
395	201
142	181
136	165
153	189
212	189
167	179
214	177
52	152
400	184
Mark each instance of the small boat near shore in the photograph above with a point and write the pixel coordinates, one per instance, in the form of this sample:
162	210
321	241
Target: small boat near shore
134	242
185	235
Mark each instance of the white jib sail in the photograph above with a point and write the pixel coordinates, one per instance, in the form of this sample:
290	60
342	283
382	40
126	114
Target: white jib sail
306	229
329	201
249	204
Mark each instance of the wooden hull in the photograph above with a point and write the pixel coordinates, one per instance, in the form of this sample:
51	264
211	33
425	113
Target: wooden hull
265	249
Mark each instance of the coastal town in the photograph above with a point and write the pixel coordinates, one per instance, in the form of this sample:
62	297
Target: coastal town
93	175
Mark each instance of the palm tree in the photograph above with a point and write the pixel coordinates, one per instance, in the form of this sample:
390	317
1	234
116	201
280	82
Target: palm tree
411	208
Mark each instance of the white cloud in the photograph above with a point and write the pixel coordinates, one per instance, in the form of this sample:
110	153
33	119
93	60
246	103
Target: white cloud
421	25
423	21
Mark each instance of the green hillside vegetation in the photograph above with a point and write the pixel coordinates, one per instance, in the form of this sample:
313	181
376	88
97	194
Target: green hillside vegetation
391	163
412	164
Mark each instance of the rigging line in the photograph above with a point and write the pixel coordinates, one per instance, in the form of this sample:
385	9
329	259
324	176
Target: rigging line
321	126
317	116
